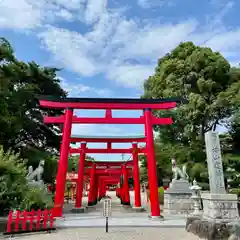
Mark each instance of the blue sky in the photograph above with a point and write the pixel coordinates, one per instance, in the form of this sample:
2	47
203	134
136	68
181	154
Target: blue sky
107	48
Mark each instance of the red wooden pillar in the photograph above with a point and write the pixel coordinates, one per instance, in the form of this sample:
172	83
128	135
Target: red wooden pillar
121	189
80	181
63	163
152	167
126	200
102	188
95	192
92	183
137	189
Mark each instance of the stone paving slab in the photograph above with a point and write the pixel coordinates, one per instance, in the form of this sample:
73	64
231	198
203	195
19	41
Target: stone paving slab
121	222
114	234
120	217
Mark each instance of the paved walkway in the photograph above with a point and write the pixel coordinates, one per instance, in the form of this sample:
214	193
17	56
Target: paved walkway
115	234
124	224
120	216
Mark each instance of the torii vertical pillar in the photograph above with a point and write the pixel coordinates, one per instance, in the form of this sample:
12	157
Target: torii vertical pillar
80	181
63	163
126	199
152	166
92	183
95	192
136	180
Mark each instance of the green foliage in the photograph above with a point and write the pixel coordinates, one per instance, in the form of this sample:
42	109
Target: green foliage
36	198
15	193
235	191
161	195
212	88
21	123
74	160
50	169
13	180
163	154
231	165
201	76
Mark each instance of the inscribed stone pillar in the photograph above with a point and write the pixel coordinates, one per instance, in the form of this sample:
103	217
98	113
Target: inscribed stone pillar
214	161
217	204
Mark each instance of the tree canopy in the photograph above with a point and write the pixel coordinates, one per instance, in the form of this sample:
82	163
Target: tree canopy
212	88
205	79
21	121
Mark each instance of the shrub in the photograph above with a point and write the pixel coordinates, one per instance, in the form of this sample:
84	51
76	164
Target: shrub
15	193
13	181
235	191
36	198
161	195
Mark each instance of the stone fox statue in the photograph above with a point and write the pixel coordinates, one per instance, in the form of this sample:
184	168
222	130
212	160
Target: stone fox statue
177	172
37	173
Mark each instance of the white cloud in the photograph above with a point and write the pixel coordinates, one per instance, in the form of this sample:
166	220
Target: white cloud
29	14
226	41
130	75
78	89
65	14
155	3
112	39
94	10
19	15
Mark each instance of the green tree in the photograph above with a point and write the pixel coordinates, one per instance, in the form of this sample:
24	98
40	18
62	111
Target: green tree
73	162
21	121
204	78
212	88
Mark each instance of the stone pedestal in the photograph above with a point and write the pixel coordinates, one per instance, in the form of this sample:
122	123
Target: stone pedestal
138	209
78	210
220	206
177	199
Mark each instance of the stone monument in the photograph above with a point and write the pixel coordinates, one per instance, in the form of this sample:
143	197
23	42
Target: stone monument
177	199
217	204
34	178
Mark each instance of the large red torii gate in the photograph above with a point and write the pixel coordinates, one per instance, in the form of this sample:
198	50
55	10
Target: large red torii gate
108	104
134	150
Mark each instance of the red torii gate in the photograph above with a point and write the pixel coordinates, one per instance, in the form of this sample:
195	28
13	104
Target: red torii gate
95	172
104	181
110	174
108	104
134	150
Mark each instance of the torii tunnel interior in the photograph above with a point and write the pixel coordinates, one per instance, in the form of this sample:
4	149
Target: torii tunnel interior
95	177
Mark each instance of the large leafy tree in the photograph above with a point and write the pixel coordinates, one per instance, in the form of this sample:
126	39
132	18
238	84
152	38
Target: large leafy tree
212	88
204	78
21	121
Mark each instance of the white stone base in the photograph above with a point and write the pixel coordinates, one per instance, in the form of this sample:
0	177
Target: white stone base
158	218
177	199
138	209
178	203
220	206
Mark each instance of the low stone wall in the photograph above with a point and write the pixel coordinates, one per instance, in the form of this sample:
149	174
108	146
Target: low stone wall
207	229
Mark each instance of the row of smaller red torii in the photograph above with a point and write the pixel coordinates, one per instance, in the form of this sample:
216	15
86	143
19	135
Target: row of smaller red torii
107	104
102	174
